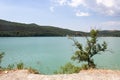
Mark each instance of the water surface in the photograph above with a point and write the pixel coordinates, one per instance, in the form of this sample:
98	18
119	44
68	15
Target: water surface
48	53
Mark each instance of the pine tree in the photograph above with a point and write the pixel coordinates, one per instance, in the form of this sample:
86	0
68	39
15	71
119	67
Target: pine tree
85	54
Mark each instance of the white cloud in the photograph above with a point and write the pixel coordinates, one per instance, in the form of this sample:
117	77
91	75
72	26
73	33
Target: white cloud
76	3
78	13
110	12
108	7
60	2
52	9
105	7
107	3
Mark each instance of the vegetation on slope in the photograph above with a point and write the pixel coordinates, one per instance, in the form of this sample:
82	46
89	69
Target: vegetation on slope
14	29
18	66
19	29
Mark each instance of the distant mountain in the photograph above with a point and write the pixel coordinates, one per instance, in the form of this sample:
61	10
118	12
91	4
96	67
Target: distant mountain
8	28
14	29
110	33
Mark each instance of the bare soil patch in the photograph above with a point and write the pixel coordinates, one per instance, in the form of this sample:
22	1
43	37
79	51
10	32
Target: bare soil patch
83	75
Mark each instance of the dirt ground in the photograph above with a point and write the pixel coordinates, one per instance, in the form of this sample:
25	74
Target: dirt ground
83	75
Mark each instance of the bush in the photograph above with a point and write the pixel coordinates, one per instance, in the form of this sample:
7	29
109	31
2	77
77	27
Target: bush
34	71
68	68
10	67
1	56
20	65
84	67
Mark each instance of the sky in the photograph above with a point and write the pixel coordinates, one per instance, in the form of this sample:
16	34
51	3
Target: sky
79	15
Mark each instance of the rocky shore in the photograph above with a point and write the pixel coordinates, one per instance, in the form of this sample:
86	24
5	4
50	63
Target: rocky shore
83	75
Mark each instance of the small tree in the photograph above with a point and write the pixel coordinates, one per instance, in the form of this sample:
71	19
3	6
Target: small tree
85	54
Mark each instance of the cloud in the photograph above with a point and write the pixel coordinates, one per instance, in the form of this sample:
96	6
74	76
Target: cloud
104	7
76	3
52	9
108	7
60	2
107	3
82	14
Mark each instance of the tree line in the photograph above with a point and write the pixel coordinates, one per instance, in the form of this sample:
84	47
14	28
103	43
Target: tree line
14	29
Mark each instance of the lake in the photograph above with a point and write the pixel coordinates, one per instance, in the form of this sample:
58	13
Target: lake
47	54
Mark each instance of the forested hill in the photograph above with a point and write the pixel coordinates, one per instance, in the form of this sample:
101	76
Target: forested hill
110	33
8	28
14	29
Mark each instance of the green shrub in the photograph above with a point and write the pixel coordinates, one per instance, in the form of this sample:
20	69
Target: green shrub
68	68
1	56
20	65
34	71
84	67
10	67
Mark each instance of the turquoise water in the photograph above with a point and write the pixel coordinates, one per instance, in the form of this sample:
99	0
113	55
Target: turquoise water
48	53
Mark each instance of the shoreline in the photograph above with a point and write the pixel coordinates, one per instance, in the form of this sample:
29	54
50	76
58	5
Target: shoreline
92	74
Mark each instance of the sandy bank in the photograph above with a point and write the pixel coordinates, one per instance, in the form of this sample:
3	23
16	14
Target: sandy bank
83	75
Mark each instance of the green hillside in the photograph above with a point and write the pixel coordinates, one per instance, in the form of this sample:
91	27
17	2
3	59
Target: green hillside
8	28
110	33
14	29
